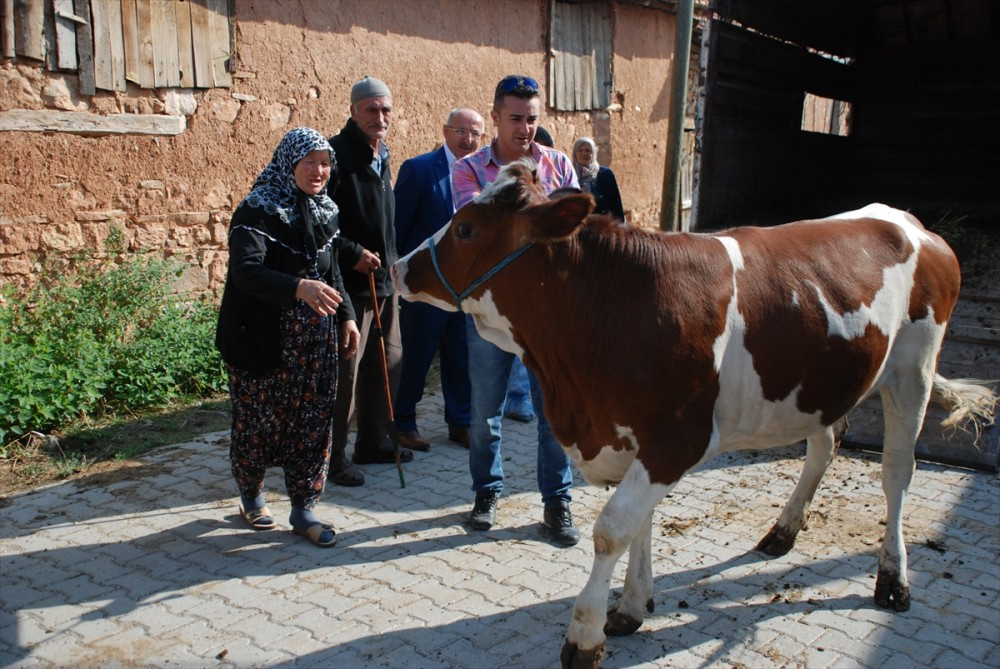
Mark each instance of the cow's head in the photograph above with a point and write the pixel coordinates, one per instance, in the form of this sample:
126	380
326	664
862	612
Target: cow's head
456	268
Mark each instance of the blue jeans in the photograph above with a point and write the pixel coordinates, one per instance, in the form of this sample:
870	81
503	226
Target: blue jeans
489	371
519	391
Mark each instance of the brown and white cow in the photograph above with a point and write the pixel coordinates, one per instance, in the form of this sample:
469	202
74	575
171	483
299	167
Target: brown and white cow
657	351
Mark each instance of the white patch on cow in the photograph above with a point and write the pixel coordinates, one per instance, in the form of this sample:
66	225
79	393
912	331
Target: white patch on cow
503	180
743	418
491	325
610	464
886	311
399	275
884	212
734	320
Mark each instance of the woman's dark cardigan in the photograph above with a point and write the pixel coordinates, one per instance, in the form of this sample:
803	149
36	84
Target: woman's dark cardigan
266	261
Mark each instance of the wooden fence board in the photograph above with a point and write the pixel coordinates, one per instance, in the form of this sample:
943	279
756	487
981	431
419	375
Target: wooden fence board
185	56
144	35
201	40
65	25
29	28
219	25
7	30
85	47
130	38
164	31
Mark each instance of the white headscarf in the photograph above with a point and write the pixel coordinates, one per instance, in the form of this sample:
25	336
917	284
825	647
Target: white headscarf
586	173
275	190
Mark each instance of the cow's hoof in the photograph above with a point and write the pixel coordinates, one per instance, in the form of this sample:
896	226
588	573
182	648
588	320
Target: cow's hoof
574	658
778	541
619	624
890	593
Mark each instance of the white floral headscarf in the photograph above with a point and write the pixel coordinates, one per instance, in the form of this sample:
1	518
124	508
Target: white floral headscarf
275	190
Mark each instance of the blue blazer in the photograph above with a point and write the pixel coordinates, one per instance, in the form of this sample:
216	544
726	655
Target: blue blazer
423	199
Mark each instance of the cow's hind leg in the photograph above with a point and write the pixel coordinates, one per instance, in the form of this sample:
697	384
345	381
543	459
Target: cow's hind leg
626	616
820	449
627	513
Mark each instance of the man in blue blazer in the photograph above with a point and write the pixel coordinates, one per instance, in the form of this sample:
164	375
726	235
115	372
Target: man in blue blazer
423	205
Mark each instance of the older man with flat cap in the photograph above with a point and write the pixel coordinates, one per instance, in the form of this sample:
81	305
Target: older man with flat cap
362	189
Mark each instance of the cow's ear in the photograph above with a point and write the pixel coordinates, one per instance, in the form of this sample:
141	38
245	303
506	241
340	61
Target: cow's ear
559	218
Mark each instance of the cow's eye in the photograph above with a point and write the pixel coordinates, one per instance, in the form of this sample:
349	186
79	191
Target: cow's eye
463	230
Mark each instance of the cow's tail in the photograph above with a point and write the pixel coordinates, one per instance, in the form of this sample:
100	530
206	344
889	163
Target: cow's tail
971	402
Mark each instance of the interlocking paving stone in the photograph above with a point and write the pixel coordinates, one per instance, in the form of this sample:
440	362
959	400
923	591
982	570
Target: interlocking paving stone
159	570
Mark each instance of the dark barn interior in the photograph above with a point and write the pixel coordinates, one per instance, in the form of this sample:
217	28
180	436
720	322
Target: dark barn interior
911	93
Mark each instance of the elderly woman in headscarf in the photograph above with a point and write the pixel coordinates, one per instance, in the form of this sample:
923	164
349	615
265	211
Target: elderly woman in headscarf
596	179
283	322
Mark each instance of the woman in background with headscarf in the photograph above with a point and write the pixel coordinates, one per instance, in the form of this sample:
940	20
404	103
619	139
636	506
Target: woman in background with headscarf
283	321
597	180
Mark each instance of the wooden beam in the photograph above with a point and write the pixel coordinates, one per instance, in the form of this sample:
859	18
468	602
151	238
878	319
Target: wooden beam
91	125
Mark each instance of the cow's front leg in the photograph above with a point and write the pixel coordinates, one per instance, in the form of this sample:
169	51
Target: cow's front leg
627	615
627	512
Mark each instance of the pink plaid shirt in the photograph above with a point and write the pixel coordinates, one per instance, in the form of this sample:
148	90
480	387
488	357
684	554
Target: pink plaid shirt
474	172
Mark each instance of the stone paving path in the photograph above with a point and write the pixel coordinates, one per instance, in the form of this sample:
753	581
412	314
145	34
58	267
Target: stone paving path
158	570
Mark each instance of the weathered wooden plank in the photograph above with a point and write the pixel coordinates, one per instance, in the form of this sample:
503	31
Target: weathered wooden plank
130	40
85	123
201	41
185	55
144	36
7	28
29	28
109	45
65	34
164	31
85	47
218	15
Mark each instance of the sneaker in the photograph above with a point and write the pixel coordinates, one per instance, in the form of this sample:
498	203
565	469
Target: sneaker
559	522
484	512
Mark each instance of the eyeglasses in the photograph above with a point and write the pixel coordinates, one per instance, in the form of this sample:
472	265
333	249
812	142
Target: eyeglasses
462	132
516	82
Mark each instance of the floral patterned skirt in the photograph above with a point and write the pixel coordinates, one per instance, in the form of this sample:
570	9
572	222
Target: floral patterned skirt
284	418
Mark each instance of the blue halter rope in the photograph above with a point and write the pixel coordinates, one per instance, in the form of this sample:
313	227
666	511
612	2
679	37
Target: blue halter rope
478	282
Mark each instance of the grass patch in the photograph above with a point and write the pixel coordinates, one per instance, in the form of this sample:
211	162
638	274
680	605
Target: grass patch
87	445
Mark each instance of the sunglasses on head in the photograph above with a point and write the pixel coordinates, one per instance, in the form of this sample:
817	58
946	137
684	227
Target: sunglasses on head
517	83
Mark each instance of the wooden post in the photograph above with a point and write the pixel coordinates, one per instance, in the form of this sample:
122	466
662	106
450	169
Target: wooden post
670	196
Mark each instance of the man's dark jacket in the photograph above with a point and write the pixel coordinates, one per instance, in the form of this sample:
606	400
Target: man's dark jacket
367	208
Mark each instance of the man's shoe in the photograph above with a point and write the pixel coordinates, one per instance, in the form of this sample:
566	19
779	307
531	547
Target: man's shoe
386	457
411	439
559	523
459	434
484	512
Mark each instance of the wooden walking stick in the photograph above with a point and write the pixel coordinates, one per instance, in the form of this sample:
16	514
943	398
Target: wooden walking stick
385	377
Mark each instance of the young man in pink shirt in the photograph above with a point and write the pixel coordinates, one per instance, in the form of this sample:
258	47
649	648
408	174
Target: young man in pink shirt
516	110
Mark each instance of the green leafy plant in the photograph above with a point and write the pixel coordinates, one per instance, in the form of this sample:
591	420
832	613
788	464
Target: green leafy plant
100	340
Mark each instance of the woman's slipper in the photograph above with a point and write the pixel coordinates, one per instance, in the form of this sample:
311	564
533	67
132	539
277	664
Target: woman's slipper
259	519
320	534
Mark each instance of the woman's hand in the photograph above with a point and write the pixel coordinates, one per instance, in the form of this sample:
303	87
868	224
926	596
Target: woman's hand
323	299
350	339
368	263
